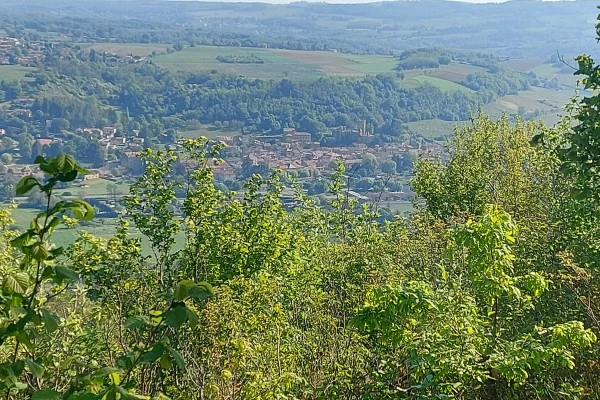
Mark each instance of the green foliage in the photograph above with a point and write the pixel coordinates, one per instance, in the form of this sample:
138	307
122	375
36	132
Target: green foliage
458	335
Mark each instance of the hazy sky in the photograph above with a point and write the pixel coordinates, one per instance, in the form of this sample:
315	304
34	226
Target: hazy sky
350	1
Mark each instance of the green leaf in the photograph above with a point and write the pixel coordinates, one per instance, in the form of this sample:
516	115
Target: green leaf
68	176
82	210
66	273
137	322
23	239
165	361
201	291
46	394
182	290
23	337
177	357
39	252
50	322
104	372
176	316
18	282
192	317
36	369
25	185
130	396
154	354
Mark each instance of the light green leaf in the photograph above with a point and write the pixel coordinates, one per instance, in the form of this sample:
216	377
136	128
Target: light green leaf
17	282
36	369
130	396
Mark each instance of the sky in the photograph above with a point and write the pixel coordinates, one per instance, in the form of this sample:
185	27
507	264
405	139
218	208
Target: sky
352	1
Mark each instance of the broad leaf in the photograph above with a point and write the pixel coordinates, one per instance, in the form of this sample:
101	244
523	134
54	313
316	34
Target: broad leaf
177	357
137	322
46	394
66	273
36	369
18	282
25	185
176	316
154	354
130	396
50	322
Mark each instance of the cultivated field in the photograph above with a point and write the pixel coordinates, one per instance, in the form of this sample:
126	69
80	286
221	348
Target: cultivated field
276	63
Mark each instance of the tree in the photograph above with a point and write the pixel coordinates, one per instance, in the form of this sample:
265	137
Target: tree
6	158
388	167
369	164
37	149
96	154
59	124
25	145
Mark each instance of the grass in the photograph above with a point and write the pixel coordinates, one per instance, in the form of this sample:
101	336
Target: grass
522	64
15	72
433	128
104	228
400	208
442	84
96	187
545	71
277	63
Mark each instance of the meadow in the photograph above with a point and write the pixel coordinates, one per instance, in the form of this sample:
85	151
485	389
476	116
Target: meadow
15	72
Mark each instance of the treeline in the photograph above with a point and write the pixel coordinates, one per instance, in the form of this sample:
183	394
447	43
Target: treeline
500	82
231	59
434	57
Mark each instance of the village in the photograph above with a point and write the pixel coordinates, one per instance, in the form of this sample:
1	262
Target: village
290	151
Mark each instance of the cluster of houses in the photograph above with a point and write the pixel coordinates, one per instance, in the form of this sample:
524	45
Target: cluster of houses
107	137
14	51
296	152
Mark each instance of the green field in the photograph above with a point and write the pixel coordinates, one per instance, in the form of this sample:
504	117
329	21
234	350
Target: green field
433	128
276	63
442	84
14	72
210	132
62	236
96	187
